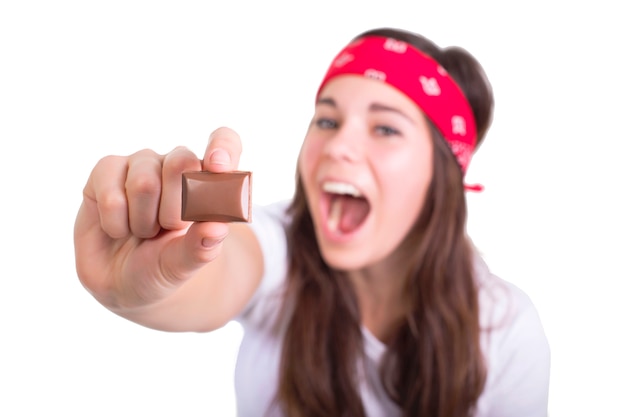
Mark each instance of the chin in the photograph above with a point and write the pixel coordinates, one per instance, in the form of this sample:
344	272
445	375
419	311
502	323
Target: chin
344	260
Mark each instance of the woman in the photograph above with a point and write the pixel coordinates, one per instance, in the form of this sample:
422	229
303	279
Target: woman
363	296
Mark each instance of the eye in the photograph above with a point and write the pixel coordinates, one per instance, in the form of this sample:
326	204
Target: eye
386	130
326	123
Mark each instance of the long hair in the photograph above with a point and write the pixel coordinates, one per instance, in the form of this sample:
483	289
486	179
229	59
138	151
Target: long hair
433	366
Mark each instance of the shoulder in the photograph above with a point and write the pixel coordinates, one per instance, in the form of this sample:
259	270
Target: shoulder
504	307
269	224
270	218
515	347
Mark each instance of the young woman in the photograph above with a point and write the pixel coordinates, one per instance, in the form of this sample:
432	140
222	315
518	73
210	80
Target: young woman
363	296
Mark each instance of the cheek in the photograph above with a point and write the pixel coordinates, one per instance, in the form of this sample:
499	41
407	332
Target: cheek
405	198
309	155
405	183
407	168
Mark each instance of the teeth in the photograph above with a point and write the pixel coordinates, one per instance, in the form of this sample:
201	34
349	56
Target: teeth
334	216
341	188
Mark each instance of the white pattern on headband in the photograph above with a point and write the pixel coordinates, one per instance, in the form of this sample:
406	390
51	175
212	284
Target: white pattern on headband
343	59
375	74
430	86
458	125
462	151
395	46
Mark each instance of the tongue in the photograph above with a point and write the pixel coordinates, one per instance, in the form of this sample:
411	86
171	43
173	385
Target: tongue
347	213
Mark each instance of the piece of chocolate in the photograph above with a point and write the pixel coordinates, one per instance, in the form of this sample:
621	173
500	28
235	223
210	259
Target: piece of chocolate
217	197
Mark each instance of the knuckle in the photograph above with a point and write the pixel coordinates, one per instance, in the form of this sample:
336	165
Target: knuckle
145	153
145	185
180	160
107	162
112	202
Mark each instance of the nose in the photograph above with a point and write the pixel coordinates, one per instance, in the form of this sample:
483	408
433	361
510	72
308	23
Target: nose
345	144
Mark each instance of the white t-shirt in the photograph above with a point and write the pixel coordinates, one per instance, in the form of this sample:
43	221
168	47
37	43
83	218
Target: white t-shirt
515	347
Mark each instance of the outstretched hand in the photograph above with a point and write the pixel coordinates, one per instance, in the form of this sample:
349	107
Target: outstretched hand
132	248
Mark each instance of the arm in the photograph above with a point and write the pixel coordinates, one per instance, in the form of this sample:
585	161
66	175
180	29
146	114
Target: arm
140	260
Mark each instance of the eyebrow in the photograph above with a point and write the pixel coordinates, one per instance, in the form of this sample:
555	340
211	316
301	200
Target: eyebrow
374	107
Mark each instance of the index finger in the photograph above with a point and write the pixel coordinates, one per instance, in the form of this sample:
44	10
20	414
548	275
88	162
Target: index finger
223	151
175	163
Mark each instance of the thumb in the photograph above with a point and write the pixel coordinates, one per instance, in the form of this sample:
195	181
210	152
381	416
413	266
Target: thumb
223	151
189	253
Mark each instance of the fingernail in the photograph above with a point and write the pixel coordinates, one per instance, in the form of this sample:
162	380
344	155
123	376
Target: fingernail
209	243
219	157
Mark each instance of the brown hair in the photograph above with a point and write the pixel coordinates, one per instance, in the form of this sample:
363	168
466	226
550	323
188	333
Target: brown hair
433	365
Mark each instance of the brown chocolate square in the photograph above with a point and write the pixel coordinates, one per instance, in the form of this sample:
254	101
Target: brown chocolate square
217	197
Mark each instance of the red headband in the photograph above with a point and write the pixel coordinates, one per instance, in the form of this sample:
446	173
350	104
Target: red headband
418	76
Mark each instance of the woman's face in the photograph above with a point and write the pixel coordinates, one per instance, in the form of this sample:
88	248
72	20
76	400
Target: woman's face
365	164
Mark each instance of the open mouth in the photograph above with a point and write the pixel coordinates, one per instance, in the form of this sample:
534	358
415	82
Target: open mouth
346	205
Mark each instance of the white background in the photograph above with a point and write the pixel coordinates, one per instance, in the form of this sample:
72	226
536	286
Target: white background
79	80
